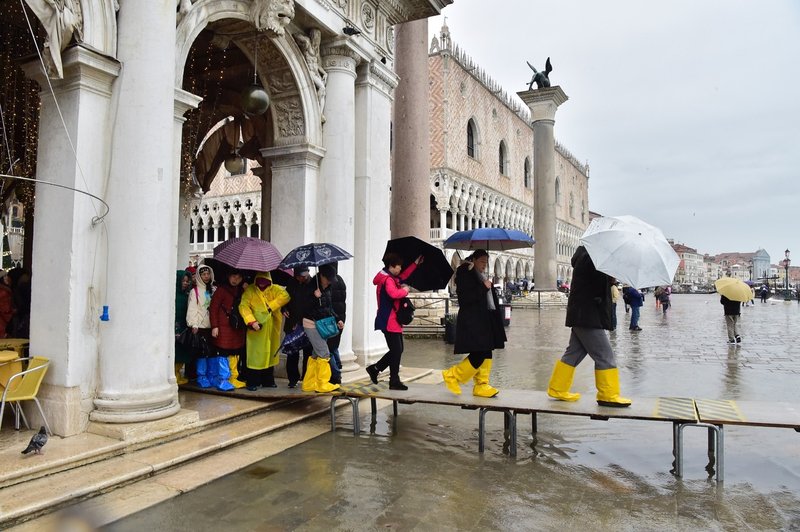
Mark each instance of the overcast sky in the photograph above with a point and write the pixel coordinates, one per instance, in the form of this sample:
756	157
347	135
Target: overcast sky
688	111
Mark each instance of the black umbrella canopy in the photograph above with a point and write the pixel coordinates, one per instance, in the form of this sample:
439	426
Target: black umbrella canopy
433	274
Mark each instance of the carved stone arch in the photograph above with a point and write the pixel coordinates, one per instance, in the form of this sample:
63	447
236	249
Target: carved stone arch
299	102
100	26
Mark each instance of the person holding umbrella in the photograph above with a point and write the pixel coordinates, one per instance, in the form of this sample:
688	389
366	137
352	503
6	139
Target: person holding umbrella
480	327
229	341
315	304
261	311
588	314
390	290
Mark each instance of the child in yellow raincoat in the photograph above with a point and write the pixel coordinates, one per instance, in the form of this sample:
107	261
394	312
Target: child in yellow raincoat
261	311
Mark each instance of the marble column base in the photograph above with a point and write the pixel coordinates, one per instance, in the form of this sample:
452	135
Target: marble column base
133	408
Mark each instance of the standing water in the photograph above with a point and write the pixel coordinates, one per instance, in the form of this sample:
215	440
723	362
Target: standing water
422	471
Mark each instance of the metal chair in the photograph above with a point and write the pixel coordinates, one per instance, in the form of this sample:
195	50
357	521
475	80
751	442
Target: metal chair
25	389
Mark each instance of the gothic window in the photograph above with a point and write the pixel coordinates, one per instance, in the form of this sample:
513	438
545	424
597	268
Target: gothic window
254	230
527	173
502	155
558	191
471	151
571	205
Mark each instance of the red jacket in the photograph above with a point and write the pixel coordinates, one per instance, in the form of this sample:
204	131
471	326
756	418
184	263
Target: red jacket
386	319
221	306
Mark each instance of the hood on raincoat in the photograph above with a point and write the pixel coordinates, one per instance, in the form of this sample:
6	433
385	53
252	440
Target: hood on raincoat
199	282
262	275
179	275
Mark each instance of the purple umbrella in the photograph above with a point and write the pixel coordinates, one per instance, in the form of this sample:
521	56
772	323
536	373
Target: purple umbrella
248	253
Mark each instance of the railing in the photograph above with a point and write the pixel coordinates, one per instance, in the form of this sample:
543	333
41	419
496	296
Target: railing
429	325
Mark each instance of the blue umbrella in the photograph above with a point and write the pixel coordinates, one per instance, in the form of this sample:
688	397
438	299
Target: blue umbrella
490	239
314	255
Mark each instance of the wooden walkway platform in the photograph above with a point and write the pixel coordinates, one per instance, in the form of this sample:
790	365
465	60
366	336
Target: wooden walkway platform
682	412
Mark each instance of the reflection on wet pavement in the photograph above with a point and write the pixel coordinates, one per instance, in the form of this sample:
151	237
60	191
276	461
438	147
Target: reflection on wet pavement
421	471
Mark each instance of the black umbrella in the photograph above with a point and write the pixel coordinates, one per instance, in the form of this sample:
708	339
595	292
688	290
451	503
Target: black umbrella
433	274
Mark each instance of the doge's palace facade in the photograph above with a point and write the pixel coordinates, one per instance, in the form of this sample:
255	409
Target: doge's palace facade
153	99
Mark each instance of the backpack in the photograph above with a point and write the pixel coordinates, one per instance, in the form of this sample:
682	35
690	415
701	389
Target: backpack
405	311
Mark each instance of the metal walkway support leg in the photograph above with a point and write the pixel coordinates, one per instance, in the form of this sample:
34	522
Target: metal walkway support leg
354	404
481	428
716	442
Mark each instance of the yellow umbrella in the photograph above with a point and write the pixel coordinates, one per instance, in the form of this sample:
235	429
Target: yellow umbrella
734	289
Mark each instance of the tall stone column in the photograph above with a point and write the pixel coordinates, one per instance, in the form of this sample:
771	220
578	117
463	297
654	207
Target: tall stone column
412	148
337	172
138	342
543	104
295	177
68	249
374	86
184	101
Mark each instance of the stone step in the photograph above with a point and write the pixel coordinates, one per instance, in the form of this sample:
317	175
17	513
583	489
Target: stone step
103	441
27	500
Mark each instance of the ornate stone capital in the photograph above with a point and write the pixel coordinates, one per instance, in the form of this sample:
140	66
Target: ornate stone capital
377	75
340	57
543	102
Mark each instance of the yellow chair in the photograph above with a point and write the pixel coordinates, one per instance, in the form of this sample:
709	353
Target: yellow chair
25	389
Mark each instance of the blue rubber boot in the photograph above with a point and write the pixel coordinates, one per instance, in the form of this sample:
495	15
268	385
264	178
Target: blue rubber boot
203	380
223	374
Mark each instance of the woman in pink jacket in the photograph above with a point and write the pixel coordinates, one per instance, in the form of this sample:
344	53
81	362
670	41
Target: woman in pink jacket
390	291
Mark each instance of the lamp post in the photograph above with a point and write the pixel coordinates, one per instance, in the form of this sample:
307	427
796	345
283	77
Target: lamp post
786	263
751	269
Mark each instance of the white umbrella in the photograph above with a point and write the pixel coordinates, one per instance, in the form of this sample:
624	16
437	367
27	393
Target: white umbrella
634	252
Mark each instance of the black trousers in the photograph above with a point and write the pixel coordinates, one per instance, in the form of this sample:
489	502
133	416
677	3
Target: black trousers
260	377
292	362
476	359
391	360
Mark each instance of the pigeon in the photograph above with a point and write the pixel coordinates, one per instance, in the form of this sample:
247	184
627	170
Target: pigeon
37	442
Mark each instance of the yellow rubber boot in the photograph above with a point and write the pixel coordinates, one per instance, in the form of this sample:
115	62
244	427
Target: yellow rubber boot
323	384
607	382
234	380
179	378
560	382
458	374
310	378
481	380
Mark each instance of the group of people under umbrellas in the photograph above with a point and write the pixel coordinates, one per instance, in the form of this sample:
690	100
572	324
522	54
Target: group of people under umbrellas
233	334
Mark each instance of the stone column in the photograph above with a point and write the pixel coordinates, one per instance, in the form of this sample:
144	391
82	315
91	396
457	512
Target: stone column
295	177
265	173
138	341
184	101
412	156
373	116
69	250
543	104
337	172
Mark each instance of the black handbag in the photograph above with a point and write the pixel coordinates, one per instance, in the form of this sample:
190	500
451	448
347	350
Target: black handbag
196	343
405	311
235	319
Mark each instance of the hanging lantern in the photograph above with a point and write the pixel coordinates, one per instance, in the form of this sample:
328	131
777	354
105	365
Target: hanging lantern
255	100
234	164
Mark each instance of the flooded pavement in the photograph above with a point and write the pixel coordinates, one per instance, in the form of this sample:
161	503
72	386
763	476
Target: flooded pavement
421	471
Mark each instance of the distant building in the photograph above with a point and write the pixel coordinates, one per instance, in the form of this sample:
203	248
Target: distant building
482	164
692	271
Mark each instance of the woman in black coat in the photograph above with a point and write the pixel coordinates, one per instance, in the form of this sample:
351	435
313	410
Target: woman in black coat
480	327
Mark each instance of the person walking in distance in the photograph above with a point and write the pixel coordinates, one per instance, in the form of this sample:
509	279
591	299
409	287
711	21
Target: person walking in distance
480	327
732	310
588	314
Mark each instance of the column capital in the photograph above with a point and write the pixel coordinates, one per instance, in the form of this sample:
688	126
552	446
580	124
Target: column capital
341	55
294	154
83	69
184	101
543	102
377	75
